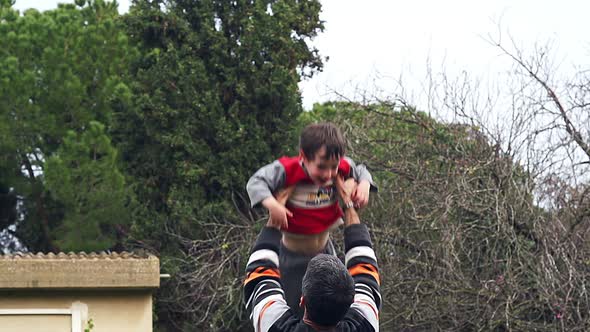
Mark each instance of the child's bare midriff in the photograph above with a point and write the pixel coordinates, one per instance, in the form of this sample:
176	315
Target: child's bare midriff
309	244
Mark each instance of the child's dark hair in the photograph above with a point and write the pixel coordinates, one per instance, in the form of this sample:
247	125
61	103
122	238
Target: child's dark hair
316	135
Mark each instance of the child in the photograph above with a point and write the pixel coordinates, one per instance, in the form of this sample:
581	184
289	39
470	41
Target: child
312	208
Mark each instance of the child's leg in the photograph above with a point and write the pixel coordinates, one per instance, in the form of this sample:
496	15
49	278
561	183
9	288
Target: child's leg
329	249
293	266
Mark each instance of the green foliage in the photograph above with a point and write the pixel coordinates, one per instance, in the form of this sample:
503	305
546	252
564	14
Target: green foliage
8	211
458	235
214	96
215	92
59	70
83	174
90	326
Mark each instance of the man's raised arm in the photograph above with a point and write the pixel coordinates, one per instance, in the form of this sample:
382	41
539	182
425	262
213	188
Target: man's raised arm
264	296
360	259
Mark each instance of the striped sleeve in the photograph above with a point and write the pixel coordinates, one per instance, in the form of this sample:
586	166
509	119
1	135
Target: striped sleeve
361	263
263	294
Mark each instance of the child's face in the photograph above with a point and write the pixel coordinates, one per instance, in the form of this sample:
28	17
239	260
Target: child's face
320	169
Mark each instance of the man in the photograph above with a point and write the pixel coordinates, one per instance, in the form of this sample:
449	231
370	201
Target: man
334	297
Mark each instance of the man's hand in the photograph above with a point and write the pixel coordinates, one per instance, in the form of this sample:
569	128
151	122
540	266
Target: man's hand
283	195
345	190
360	195
277	210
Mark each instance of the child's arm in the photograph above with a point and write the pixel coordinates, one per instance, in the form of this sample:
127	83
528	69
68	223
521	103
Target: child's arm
365	183
260	189
278	213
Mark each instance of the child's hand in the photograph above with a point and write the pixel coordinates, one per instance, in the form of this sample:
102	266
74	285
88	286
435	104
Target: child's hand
277	210
360	196
278	216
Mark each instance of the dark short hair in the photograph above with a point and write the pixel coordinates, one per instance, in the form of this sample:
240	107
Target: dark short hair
328	290
316	135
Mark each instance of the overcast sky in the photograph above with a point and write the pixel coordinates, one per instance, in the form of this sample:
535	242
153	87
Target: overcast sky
371	44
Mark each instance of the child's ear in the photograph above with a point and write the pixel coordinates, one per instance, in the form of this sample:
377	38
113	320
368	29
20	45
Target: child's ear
301	155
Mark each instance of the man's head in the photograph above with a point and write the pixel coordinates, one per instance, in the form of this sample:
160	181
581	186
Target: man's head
327	290
321	146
